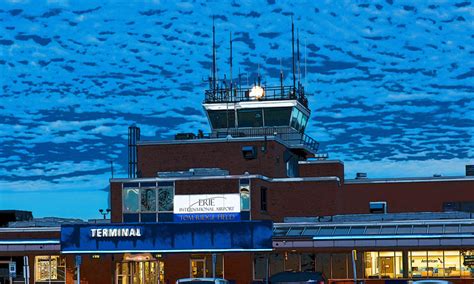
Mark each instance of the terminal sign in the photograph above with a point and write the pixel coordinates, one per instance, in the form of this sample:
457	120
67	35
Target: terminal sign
115	232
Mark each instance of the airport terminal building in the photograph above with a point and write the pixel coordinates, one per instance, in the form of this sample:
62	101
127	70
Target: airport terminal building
246	201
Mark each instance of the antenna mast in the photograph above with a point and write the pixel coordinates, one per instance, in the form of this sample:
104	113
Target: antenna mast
281	80
213	56
298	58
305	65
293	51
230	36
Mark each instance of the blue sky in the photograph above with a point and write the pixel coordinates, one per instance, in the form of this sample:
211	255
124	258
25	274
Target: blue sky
391	85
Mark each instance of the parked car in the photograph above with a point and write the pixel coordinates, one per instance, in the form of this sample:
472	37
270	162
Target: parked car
202	281
292	277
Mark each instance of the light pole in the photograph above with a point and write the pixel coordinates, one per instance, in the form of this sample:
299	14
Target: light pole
104	212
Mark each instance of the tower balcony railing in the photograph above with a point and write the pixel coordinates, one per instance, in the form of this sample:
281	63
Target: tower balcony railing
242	94
287	135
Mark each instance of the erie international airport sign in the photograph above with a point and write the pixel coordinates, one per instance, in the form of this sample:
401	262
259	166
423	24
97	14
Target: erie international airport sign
207	208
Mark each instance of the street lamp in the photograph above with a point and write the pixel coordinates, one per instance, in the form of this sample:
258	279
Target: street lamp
104	212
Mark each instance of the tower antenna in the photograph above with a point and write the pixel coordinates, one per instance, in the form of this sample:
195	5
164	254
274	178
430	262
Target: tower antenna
305	65
214	67
230	39
298	56
293	51
281	80
258	75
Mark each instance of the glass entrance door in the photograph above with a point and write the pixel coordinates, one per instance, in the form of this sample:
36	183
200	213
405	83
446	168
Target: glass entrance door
139	272
198	268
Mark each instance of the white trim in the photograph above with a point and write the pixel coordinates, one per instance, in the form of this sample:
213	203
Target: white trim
320	162
29	242
251	104
265	178
30	229
368	237
385	223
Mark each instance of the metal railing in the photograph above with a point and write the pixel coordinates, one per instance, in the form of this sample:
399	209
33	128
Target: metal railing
287	134
226	95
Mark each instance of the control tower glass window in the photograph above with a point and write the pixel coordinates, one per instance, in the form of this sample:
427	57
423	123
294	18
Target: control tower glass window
277	116
304	121
250	117
298	120
220	118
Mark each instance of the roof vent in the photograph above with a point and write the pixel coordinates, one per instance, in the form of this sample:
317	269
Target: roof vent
249	152
469	170
184	136
321	156
361	175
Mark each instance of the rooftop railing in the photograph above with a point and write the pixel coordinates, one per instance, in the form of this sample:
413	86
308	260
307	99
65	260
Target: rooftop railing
288	135
271	93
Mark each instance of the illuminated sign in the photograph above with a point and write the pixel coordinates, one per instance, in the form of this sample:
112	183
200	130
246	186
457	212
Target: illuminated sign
157	238
206	203
115	232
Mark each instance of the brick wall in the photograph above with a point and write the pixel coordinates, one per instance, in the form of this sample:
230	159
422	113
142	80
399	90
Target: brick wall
224	155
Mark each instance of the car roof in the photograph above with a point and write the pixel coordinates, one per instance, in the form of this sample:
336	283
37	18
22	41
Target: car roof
199	279
290	276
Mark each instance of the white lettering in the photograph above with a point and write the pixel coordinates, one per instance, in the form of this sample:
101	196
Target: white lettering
125	232
115	232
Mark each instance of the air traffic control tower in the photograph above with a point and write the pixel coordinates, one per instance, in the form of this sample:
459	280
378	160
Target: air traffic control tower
257	110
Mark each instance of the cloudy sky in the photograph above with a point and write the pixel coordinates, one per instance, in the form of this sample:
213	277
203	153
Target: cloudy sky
391	85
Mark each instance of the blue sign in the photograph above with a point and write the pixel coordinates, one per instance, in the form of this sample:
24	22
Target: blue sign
207	217
167	237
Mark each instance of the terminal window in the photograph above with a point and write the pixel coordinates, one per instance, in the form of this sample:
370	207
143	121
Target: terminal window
148	203
50	268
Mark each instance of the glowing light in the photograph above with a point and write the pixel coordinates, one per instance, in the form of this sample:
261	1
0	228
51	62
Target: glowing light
257	92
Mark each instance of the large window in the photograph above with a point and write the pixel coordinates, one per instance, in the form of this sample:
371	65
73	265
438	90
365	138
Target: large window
448	263
298	120
165	198
148	199
244	187
50	268
292	262
308	261
383	264
148	202
130	199
222	118
277	116
277	263
250	117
